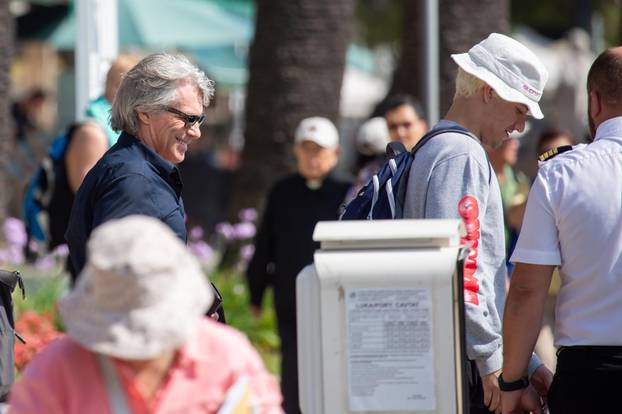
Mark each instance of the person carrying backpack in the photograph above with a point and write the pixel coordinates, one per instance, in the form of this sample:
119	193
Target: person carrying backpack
499	83
447	175
50	193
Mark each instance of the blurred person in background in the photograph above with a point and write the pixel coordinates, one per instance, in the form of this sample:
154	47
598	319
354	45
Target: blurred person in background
29	142
25	113
85	143
405	119
371	143
137	341
553	138
92	138
159	108
514	186
284	244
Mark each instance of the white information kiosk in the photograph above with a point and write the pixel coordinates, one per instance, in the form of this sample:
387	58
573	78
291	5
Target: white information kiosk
378	319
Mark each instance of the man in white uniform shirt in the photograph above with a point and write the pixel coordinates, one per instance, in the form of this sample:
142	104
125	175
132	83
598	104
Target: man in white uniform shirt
574	220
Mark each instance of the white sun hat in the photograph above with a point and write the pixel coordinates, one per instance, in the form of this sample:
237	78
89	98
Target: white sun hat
512	70
141	293
373	136
319	130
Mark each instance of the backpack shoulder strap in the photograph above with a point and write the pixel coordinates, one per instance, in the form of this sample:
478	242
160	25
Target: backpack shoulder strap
438	131
400	191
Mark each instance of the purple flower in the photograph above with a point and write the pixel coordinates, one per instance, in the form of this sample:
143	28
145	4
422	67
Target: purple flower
4	256
246	252
248	214
245	230
15	232
46	262
201	250
61	251
14	254
196	233
34	246
225	230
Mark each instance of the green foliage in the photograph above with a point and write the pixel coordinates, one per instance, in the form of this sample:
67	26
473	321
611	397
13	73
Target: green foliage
262	331
44	289
379	21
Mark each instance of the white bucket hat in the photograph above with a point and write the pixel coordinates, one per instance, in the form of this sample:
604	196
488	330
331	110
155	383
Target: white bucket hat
141	293
319	130
512	70
373	136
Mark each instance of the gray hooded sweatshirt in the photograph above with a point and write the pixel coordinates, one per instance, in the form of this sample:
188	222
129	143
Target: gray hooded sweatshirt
451	177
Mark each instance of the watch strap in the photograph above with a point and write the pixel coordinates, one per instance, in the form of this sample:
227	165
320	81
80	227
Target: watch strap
519	384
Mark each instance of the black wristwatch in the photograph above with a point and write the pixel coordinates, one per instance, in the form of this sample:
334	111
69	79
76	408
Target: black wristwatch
519	384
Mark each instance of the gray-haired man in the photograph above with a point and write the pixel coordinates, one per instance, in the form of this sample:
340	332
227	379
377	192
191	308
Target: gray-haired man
159	108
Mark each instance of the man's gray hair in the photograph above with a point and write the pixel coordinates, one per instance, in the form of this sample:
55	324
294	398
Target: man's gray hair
151	85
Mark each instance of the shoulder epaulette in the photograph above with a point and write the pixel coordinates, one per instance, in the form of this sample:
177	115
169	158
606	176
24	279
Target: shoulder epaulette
554	152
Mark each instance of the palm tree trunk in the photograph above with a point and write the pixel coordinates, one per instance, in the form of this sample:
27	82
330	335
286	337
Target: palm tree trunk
408	76
297	63
6	136
464	23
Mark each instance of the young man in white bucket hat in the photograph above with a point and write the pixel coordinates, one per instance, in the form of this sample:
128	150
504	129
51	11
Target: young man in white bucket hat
137	339
499	83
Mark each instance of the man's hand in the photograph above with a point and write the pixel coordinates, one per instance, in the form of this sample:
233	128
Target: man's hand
492	393
521	401
541	380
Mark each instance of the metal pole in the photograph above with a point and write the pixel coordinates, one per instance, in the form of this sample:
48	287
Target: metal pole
432	88
97	44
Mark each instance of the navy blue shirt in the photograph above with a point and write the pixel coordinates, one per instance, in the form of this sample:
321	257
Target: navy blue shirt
129	179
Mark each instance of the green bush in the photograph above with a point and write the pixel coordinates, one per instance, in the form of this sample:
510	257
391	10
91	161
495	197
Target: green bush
44	288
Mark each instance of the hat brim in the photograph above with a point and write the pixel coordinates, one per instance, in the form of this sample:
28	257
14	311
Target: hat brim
503	90
139	333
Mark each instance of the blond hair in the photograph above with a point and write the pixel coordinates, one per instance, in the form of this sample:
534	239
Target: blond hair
466	84
119	67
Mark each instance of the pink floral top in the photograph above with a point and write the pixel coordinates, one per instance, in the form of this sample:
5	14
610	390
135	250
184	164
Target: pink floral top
65	378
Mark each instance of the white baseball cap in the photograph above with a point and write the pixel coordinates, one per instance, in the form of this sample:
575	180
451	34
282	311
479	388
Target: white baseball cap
512	70
373	136
319	130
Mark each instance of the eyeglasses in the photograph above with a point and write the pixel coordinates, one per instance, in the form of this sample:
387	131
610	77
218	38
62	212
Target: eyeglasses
189	120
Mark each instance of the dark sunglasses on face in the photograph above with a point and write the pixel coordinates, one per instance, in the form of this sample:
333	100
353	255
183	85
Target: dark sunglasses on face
189	120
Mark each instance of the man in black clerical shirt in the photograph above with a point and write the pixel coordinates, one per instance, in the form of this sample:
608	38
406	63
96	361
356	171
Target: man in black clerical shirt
284	243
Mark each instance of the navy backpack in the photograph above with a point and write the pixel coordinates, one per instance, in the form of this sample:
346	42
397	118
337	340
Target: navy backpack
383	197
42	188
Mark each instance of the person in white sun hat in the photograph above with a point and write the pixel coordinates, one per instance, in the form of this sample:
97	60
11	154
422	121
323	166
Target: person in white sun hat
499	83
137	339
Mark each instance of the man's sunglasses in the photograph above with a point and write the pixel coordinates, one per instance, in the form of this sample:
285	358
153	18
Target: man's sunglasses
189	120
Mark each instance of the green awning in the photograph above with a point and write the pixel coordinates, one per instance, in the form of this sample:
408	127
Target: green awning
161	24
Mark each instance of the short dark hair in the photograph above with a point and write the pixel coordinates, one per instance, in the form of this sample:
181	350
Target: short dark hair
550	135
605	76
395	101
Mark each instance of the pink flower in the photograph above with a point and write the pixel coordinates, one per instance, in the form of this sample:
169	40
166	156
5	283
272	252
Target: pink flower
15	232
61	251
201	250
244	230
225	230
248	214
247	251
196	233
